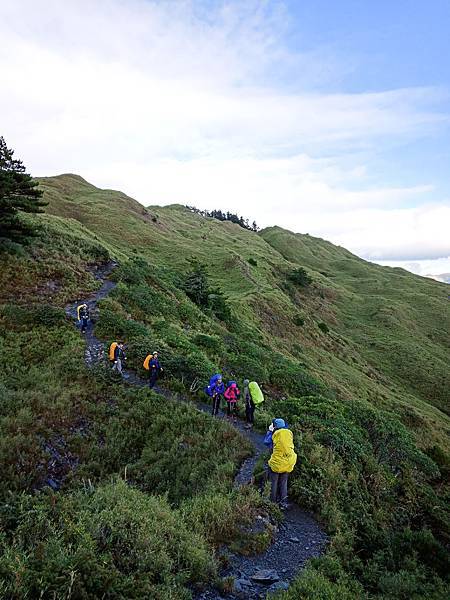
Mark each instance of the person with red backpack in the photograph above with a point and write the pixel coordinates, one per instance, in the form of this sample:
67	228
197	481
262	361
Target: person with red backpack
231	395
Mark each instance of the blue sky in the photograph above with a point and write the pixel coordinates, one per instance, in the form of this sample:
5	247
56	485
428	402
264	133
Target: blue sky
325	117
387	45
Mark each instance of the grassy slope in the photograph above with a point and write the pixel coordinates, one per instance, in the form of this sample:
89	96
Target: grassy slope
357	466
55	414
385	344
398	322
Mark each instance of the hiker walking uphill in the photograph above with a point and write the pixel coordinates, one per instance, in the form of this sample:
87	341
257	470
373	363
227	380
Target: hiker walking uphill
296	525
118	356
153	366
83	316
231	395
282	460
253	396
215	390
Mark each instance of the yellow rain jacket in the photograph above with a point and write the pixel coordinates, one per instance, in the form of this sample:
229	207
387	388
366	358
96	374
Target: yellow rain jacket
283	457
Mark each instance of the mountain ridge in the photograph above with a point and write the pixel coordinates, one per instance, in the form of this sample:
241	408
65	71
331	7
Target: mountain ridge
353	355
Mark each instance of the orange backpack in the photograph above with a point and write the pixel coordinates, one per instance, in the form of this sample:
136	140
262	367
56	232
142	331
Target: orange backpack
111	350
147	360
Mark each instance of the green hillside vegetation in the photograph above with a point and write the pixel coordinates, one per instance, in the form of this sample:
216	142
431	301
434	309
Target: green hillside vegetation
352	354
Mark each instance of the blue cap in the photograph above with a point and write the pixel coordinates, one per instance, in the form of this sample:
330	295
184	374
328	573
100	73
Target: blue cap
279	423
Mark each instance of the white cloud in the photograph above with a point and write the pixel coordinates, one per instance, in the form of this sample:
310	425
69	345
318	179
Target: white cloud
436	268
178	102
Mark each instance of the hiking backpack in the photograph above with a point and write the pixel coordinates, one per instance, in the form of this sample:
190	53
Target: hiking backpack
212	382
255	393
112	349
147	360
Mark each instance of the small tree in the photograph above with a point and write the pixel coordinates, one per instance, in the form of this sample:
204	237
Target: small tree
196	285
300	277
18	192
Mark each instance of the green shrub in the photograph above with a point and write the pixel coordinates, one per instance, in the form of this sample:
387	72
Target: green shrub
112	326
300	277
292	378
143	301
186	368
211	343
167	447
253	262
323	327
299	320
246	367
134	271
116	539
39	314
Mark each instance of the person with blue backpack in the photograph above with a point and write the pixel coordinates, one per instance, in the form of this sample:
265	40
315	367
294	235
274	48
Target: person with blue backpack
232	395
215	390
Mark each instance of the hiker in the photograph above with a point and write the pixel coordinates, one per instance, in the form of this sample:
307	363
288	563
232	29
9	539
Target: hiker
268	437
215	390
119	357
231	395
83	316
282	461
253	396
154	368
249	406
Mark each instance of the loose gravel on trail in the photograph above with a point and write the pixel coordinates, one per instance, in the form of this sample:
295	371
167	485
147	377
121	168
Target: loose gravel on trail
297	539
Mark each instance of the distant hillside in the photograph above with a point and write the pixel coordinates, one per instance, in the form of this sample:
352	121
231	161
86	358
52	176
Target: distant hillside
384	344
444	277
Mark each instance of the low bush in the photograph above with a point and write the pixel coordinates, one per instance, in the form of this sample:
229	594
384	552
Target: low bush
300	277
245	366
299	320
167	448
115	538
323	327
210	343
41	314
293	379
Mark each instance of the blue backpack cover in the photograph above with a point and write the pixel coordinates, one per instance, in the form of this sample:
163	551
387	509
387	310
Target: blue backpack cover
212	381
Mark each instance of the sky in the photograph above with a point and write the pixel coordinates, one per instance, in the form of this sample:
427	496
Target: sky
324	117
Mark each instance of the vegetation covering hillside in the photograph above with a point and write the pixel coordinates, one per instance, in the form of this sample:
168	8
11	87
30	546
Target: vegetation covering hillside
354	355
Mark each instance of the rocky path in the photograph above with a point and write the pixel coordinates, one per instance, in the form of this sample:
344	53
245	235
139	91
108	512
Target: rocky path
297	539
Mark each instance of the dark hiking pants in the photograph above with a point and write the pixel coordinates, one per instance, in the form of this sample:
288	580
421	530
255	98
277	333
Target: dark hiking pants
231	408
278	485
153	377
84	324
250	412
216	404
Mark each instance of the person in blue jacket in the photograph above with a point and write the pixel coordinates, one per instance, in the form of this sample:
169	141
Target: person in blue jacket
268	437
155	368
217	391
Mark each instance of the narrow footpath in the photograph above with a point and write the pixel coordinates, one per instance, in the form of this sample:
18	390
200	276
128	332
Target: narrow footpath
298	538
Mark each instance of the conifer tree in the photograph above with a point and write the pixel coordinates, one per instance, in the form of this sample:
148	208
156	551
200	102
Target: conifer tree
18	192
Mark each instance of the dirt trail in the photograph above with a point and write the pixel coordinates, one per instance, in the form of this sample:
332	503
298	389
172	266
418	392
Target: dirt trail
299	536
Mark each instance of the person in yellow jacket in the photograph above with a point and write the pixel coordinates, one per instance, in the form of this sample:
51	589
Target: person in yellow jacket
282	461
